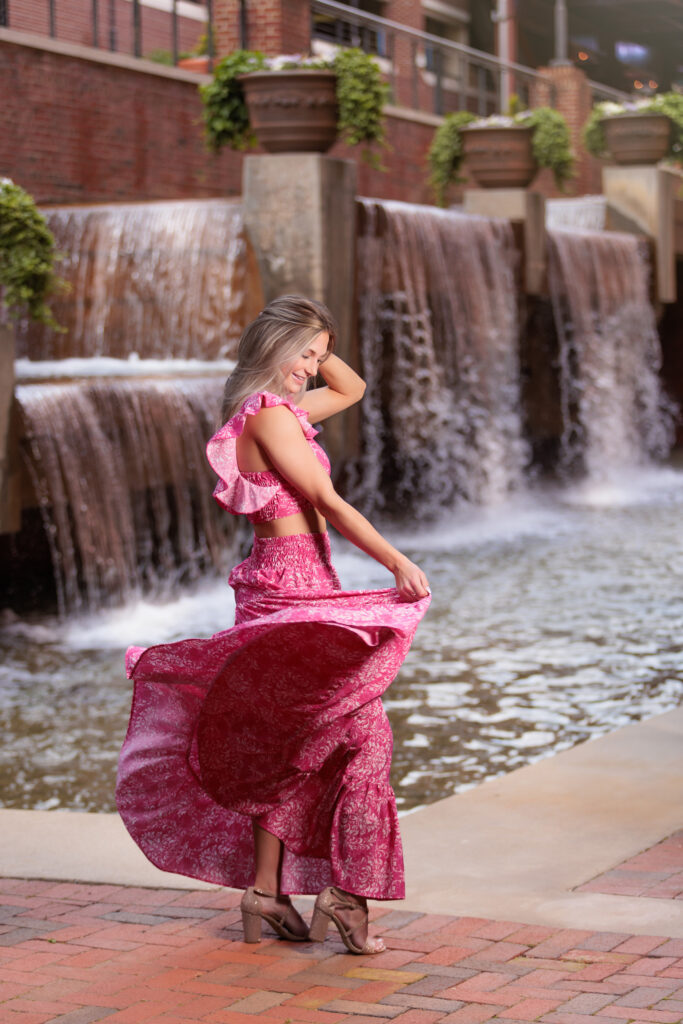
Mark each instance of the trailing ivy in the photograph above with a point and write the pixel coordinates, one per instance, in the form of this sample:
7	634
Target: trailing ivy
226	120
551	142
27	257
361	95
446	153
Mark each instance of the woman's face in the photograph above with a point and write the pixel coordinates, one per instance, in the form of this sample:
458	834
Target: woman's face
297	373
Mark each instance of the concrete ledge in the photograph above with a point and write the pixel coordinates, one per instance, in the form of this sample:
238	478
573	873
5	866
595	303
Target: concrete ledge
518	846
98	56
73	847
514	848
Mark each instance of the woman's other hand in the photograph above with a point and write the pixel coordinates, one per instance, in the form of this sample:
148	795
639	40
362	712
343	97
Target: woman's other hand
411	582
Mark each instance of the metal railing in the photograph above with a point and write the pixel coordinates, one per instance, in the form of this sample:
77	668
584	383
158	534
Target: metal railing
425	71
607	92
109	22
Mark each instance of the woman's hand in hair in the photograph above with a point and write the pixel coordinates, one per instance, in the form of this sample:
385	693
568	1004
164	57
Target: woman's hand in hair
344	388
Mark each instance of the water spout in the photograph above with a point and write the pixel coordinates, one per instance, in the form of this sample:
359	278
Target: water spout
614	411
165	280
124	490
439	348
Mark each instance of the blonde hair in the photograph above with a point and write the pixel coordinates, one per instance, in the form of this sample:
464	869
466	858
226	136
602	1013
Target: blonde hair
279	334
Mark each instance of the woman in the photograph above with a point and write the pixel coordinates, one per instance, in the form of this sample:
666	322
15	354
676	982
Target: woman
260	757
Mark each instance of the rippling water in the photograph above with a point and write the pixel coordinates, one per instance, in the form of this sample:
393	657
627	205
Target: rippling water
554	619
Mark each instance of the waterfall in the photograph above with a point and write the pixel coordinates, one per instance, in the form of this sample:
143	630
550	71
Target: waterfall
438	330
614	412
168	279
123	486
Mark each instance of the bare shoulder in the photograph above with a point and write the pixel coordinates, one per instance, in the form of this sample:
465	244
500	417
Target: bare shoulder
278	420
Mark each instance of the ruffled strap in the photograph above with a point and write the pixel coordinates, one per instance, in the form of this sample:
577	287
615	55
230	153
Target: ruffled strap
233	491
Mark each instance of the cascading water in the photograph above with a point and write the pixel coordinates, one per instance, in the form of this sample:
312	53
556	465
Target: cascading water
614	412
117	466
169	279
123	486
439	349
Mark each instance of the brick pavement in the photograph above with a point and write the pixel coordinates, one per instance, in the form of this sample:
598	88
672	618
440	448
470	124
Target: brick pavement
78	954
657	872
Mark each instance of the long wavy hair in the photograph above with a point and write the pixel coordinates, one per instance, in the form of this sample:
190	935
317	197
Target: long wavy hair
279	335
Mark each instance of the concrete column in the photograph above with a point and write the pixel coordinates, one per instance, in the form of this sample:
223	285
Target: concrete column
300	214
10	503
643	199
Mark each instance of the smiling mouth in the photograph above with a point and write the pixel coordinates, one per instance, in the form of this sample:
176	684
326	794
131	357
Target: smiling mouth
296	376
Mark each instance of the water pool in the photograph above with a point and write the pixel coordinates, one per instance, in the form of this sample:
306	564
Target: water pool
555	618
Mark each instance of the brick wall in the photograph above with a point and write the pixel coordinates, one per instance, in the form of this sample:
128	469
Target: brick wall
108	131
273	26
104	129
73	23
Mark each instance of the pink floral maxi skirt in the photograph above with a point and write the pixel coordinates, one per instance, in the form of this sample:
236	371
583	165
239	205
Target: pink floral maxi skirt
280	719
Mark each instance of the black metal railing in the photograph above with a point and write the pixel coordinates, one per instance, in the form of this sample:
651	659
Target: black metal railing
431	73
426	72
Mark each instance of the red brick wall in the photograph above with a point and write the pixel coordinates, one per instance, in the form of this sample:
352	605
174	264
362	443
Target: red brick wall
73	24
104	133
101	133
273	26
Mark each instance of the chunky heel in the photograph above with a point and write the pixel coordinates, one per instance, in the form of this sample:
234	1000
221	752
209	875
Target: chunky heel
277	911
251	923
319	924
331	905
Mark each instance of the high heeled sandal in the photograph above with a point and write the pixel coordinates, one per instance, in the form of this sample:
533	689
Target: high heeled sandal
284	918
332	902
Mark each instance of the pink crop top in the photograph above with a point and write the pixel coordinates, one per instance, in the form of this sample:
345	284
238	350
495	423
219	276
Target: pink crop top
264	495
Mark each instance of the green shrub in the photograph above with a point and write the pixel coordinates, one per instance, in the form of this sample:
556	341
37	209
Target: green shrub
226	119
551	142
446	153
361	95
27	256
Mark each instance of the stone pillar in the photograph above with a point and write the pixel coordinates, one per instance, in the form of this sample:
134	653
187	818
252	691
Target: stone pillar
643	199
574	99
272	26
300	214
10	501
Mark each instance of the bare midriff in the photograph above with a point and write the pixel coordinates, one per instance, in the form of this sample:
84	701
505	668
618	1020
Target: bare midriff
308	521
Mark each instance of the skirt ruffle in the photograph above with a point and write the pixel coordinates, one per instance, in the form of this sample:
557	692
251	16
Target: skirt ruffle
279	719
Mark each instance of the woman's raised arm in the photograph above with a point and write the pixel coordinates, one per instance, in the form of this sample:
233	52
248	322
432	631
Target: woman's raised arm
344	388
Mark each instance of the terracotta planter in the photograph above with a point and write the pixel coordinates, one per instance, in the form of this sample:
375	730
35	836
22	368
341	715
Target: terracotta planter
499	156
292	111
638	138
198	64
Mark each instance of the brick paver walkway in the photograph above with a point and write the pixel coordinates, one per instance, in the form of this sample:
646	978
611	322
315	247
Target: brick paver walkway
77	954
655	872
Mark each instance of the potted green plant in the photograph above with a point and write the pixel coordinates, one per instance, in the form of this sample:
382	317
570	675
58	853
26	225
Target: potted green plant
642	131
500	151
27	257
295	104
